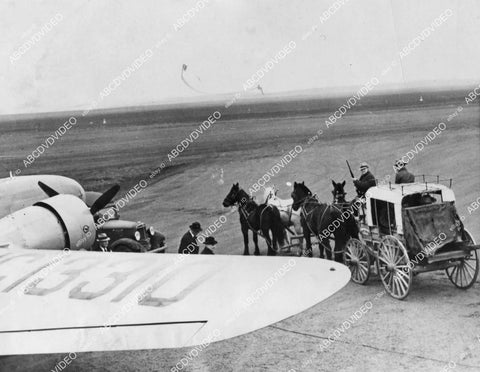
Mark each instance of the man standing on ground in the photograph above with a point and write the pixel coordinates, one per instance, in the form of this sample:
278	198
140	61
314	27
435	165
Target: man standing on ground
103	240
209	245
189	244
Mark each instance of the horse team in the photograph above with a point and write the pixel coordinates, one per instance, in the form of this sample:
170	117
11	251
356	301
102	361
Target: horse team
303	215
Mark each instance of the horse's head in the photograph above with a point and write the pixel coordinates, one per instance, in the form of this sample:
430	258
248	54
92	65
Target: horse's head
232	197
338	192
299	194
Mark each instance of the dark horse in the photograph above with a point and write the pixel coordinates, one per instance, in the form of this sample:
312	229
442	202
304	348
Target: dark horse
261	219
339	198
322	220
339	193
352	206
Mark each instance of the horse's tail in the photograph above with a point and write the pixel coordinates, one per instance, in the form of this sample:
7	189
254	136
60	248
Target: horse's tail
278	228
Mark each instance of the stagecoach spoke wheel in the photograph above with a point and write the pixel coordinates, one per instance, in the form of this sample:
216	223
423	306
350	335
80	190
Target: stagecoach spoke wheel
357	259
465	274
393	267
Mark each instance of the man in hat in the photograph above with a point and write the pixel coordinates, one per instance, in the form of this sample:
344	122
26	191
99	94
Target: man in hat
189	244
103	240
362	184
209	245
366	180
402	174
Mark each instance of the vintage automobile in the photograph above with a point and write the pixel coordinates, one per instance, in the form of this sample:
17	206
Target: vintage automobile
125	236
409	229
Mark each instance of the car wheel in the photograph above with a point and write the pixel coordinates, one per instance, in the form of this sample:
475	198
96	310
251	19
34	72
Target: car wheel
126	245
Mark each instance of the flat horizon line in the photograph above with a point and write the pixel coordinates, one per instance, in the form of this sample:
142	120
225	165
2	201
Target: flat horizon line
191	102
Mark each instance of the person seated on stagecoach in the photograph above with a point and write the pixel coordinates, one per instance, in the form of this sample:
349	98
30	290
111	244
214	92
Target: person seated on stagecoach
402	174
366	180
427	199
362	184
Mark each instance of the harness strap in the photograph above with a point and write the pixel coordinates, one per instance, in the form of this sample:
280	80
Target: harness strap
334	206
328	248
247	215
305	215
259	232
323	214
289	230
336	198
261	213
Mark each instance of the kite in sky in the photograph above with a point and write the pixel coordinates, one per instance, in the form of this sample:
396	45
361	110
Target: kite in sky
184	79
191	81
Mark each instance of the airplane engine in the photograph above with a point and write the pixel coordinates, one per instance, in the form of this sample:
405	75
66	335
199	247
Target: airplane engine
22	191
62	221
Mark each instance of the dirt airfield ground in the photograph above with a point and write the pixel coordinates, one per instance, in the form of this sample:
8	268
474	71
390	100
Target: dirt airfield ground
435	325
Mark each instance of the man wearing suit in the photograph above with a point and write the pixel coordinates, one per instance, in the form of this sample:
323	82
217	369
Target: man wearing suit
189	244
403	175
366	180
103	240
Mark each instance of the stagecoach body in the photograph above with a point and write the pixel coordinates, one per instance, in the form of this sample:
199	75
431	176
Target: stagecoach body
408	229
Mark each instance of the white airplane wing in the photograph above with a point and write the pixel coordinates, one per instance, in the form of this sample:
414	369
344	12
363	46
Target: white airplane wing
55	301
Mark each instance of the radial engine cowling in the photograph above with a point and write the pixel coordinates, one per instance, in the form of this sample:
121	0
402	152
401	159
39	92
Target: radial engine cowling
62	221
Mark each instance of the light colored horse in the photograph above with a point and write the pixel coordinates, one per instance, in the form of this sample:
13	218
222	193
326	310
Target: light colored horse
290	218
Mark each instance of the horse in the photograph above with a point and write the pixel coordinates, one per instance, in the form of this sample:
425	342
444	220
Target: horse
354	207
261	219
339	193
340	201
322	220
291	219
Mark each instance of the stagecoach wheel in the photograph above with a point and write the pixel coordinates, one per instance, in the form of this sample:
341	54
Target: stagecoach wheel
393	267
357	259
465	274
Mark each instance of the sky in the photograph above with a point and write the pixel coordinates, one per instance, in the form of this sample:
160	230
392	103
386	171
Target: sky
224	43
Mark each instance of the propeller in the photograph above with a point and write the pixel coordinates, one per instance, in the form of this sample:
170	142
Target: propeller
100	203
47	189
104	199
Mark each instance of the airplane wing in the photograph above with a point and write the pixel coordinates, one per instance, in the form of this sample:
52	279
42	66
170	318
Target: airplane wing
76	301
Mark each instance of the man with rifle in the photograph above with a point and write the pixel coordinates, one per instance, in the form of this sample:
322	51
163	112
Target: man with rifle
366	180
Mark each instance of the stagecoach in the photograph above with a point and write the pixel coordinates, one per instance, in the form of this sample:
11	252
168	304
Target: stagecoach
409	229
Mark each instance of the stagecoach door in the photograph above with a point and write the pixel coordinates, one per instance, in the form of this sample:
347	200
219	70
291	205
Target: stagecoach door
383	216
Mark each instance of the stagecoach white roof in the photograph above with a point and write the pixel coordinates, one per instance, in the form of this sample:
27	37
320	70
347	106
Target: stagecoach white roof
394	193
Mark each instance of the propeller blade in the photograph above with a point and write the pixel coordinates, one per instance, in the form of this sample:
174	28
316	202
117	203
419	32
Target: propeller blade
47	189
104	199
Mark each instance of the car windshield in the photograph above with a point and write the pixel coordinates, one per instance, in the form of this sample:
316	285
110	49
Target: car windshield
108	213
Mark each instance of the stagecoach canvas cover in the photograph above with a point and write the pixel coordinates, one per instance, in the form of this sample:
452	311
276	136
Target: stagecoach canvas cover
424	224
